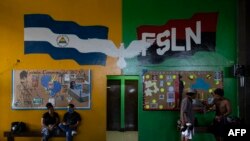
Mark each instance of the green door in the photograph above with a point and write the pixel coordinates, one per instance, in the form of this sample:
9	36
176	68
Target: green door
122	103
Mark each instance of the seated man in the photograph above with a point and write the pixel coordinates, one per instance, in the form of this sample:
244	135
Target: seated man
71	120
49	122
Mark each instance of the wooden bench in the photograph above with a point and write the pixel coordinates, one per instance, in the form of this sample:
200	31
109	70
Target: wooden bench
11	136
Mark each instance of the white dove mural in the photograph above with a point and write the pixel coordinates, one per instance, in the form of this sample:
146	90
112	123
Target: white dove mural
134	49
88	45
109	48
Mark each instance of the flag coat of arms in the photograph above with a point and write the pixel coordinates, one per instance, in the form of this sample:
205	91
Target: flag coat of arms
63	39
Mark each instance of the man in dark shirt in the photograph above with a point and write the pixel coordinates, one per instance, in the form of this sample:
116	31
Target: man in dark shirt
71	120
49	122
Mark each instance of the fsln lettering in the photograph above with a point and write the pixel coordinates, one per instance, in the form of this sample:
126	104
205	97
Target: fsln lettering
167	39
236	132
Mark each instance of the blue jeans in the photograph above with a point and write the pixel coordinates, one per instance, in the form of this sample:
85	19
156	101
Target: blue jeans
46	133
68	131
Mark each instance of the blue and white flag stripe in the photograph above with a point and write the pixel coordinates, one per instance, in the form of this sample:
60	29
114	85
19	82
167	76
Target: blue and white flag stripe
65	53
65	27
64	40
82	45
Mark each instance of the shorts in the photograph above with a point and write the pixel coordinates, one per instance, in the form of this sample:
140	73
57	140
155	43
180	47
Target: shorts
188	133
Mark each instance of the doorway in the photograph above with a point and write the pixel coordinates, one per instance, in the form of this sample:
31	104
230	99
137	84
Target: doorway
122	108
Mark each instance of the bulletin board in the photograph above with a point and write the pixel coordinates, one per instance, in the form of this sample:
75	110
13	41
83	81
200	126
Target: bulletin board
164	90
32	89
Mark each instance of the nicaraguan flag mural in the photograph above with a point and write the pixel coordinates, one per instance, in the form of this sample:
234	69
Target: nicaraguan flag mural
63	39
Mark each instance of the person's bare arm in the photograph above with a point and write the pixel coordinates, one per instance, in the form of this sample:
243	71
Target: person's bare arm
208	107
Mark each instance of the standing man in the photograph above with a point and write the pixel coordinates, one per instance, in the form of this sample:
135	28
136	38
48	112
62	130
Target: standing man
71	120
49	122
187	115
222	108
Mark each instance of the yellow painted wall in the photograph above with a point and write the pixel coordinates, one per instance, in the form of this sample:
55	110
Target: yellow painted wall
83	12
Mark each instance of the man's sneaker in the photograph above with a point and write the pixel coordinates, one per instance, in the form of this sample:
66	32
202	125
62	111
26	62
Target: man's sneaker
73	133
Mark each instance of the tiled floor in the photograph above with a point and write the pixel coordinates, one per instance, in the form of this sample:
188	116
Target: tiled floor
122	136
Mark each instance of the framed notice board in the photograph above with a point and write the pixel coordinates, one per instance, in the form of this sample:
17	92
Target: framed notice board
32	89
164	90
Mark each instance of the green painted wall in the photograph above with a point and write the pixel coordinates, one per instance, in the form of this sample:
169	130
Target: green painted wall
161	125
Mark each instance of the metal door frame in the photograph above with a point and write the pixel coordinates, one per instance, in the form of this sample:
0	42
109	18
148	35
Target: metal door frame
123	78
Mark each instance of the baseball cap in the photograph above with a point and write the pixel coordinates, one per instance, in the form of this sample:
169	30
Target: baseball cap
49	105
71	105
191	91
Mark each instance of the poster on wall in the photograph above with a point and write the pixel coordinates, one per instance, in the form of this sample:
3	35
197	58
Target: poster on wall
164	90
32	89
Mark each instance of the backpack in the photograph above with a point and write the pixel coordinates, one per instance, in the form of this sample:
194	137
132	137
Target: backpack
18	127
